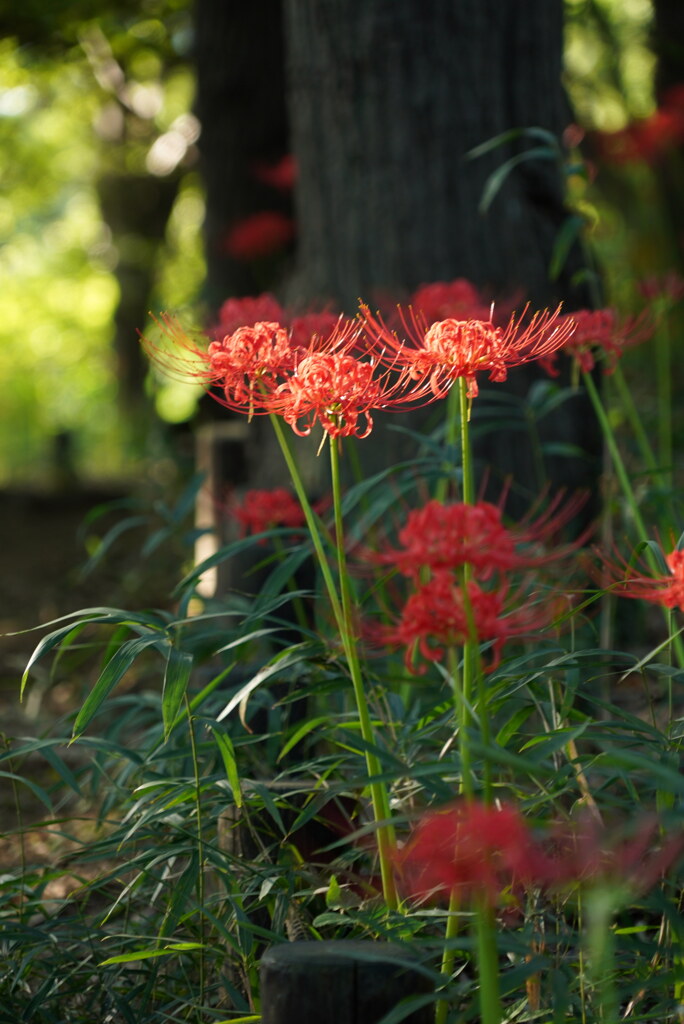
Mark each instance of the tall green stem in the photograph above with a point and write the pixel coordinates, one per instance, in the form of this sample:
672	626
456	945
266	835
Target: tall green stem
491	1010
342	613
462	683
664	379
378	790
310	518
200	850
450	441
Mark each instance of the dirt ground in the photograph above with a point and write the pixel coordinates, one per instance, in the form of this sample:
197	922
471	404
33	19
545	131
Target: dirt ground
43	555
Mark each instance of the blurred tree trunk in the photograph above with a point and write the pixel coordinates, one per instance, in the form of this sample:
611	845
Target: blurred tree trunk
241	107
386	100
668	45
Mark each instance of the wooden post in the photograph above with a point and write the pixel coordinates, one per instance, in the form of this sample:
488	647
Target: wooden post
339	982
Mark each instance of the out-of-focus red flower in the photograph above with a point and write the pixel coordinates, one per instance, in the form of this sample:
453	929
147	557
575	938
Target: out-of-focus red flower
437	617
446	536
648	139
585	852
628	580
668	287
259	235
450	349
280	175
246	312
458	300
262	510
599	332
306	326
472	850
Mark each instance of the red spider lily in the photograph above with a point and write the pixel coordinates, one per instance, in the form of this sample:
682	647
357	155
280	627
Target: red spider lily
260	369
599	331
436	617
470	849
627	581
247	312
307	326
439	536
335	389
585	852
259	235
457	299
262	510
667	288
333	385
248	365
450	349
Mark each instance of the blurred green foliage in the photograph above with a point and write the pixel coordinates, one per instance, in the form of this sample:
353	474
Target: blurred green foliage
79	101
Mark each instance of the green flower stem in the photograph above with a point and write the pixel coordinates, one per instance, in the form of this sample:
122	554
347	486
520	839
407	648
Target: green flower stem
600	906
462	683
448	955
609	436
632	414
200	851
450	440
466	459
342	613
627	490
664	384
491	1010
310	517
378	790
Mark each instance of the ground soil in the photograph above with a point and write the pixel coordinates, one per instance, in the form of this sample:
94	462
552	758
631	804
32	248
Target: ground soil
44	550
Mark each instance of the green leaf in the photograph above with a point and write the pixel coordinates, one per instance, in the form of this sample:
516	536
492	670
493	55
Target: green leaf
37	791
227	752
513	134
565	239
496	180
108	540
148	954
176	677
114	671
333	896
282	660
302	731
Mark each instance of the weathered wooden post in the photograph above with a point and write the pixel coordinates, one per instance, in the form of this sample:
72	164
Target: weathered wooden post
340	982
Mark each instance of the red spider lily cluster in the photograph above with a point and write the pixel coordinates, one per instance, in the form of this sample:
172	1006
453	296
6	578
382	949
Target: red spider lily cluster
450	349
336	371
481	852
639	581
599	334
444	611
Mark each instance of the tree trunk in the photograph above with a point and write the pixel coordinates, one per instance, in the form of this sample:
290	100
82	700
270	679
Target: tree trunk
241	107
387	97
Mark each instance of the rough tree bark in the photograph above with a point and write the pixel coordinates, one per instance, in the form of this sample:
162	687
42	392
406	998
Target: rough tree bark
386	99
